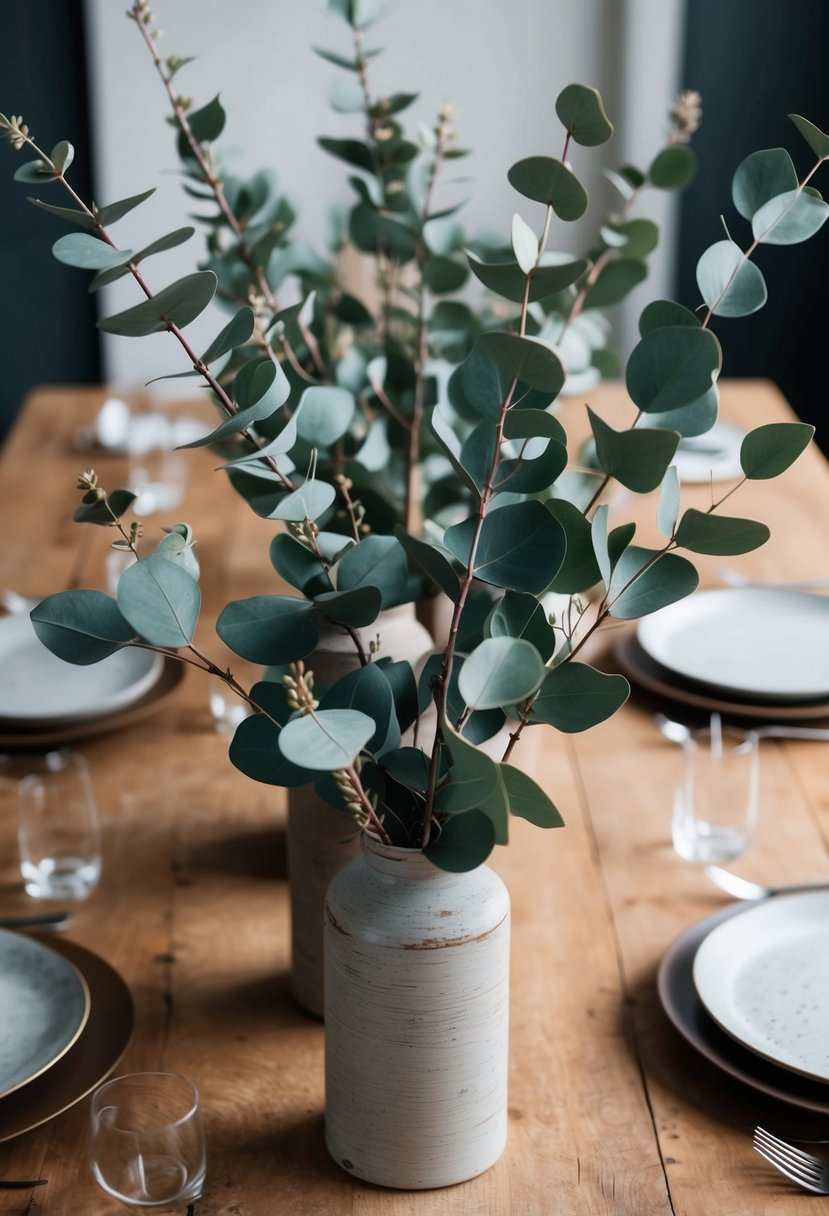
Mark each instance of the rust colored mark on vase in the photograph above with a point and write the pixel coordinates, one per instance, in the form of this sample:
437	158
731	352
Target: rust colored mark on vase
437	943
334	923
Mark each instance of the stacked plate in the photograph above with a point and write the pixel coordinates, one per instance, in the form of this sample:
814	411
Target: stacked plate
46	702
749	988
750	652
66	1018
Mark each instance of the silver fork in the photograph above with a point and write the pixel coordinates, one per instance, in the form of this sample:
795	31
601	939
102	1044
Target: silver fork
812	1173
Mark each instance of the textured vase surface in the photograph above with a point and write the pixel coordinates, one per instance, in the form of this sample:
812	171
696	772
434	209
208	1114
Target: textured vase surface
316	831
416	1010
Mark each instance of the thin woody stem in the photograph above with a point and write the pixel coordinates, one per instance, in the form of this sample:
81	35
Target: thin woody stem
365	803
210	178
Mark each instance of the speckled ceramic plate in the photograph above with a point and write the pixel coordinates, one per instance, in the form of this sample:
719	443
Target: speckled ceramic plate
44	1006
764	978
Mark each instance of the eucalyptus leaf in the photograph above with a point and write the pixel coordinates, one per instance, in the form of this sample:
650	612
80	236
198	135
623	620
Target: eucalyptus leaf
207	123
500	671
472	775
236	333
178	305
81	627
432	562
575	697
170	241
637	459
769	450
443	274
354	609
760	177
366	689
508	279
160	600
520	546
255	752
672	367
87	252
644	581
518	615
581	110
527	800
79	218
789	218
310	501
526	360
668	509
661	314
549	181
673	168
327	411
616	280
35	173
102	513
722	535
351	151
815	138
524	244
62	156
269	629
112	212
729	284
330	739
298	565
579	570
377	561
464	844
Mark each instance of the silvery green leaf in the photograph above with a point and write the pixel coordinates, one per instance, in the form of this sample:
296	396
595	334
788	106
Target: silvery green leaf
723	535
113	212
310	501
546	180
668	510
581	110
672	367
655	581
88	252
729	284
524	244
815	138
330	740
178	305
160	600
170	241
576	697
236	333
637	458
327	411
62	156
790	218
769	450
500	671
760	177
269	629
345	95
80	218
81	626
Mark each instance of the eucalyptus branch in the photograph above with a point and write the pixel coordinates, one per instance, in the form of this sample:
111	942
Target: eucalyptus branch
746	254
141	15
308	532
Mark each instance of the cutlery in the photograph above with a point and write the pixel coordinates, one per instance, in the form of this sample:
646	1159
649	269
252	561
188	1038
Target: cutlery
678	732
42	920
810	1172
743	888
732	579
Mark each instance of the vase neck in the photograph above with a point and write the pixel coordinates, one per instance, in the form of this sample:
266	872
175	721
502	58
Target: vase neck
398	862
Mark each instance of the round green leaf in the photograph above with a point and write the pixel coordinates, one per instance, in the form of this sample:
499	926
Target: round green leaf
636	458
518	615
729	284
668	510
549	181
432	562
788	219
547	279
524	244
328	740
464	843
673	168
576	697
88	252
81	626
762	176
326	414
160	600
472	776
442	274
581	110
769	450
669	578
237	332
722	535
377	561
310	501
297	564
672	367
255	752
634	238
178	304
661	314
579	570
615	281
526	360
62	155
355	609
520	547
269	629
112	212
500	671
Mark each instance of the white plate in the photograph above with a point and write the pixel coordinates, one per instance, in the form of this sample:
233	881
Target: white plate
714	456
764	978
752	642
35	686
44	1005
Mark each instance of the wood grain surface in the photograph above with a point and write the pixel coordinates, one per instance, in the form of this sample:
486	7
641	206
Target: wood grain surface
610	1111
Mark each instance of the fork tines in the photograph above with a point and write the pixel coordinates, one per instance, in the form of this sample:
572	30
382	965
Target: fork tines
810	1172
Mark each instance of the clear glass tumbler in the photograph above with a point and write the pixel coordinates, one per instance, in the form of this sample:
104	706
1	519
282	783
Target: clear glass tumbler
147	1140
58	830
717	801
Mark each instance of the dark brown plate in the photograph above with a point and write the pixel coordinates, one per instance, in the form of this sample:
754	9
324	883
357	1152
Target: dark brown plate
682	1004
29	739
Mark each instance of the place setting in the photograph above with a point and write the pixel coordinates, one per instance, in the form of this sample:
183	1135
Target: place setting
747	986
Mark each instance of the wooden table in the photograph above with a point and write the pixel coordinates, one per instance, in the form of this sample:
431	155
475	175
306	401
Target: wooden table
611	1112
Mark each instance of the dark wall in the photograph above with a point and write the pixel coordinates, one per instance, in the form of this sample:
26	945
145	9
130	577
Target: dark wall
47	317
755	62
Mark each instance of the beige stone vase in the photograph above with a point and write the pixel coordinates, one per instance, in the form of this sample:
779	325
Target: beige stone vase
316	843
416	1019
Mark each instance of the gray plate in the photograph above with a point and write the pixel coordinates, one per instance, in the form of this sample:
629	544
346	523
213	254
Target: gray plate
44	1005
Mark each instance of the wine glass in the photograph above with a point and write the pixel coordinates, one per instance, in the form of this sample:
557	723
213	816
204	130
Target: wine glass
147	1140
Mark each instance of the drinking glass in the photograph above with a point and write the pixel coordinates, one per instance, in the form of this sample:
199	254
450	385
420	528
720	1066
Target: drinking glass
147	1140
157	472
58	830
717	800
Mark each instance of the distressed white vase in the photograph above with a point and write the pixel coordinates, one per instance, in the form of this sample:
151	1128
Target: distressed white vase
315	845
416	1019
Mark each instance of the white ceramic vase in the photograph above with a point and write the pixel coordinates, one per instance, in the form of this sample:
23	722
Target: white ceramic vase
416	1011
315	834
